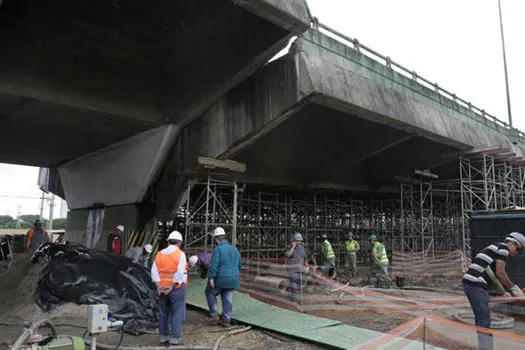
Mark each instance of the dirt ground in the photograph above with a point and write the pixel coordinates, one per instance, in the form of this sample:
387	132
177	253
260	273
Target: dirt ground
17	307
194	333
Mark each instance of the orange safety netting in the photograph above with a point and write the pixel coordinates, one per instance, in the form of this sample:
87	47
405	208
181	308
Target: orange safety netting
436	333
429	264
269	280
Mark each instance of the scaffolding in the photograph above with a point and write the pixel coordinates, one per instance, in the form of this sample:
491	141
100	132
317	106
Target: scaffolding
427	215
209	203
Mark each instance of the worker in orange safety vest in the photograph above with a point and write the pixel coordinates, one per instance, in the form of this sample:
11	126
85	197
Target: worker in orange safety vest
169	272
35	236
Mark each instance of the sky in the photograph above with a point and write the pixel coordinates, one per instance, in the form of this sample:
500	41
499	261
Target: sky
455	43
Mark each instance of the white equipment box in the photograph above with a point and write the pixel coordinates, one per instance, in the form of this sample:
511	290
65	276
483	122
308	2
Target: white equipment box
97	318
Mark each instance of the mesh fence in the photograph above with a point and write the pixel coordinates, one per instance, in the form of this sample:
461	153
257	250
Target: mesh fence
421	265
429	332
289	283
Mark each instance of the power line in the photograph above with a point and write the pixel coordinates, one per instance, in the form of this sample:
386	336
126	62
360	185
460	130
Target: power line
23	197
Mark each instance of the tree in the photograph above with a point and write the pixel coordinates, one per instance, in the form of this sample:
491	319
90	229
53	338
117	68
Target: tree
59	224
5	220
31	218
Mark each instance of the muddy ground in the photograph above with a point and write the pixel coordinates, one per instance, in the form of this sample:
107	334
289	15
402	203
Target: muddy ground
194	333
16	307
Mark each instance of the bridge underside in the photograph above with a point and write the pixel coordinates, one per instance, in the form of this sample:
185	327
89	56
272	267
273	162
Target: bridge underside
319	146
81	75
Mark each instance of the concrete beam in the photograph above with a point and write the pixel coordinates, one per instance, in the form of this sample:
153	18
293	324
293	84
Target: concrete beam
347	80
291	15
119	174
376	152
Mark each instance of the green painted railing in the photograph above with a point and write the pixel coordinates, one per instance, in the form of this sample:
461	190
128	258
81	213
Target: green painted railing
321	35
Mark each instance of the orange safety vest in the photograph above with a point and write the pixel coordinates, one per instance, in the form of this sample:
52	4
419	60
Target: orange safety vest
167	265
31	233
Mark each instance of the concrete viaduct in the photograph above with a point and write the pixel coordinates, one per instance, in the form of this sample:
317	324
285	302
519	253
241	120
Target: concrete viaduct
119	98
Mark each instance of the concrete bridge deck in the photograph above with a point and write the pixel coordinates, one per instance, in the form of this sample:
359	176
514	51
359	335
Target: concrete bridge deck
328	116
79	76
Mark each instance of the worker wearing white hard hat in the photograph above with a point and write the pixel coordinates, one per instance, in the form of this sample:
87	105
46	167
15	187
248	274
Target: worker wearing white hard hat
192	261
140	255
223	278
114	241
169	273
218	232
488	268
298	256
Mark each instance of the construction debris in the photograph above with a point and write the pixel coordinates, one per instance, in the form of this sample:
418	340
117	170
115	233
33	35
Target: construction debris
88	276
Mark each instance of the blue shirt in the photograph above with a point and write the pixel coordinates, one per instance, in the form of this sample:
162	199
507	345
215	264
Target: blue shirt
225	266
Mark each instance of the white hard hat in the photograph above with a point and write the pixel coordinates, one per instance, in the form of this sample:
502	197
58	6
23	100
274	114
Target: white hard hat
175	235
193	260
517	238
120	228
149	248
219	231
297	237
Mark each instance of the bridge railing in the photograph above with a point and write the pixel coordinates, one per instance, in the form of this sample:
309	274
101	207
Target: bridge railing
502	126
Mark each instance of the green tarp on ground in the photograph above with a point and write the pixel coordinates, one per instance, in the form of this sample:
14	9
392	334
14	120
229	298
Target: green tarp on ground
317	329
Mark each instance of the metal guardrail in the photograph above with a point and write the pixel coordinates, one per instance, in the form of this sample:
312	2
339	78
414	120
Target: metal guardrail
387	61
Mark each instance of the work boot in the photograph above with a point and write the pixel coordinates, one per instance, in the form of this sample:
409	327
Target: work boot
174	341
164	339
212	319
225	323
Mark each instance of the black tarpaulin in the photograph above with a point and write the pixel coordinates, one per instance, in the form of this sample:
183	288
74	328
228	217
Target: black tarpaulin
89	276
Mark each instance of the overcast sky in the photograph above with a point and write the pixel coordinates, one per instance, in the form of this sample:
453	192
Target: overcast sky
455	43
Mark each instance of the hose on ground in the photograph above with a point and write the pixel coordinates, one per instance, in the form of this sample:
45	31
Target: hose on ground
101	346
498	321
173	347
29	330
216	345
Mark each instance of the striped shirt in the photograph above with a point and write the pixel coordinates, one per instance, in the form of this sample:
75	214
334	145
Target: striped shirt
481	271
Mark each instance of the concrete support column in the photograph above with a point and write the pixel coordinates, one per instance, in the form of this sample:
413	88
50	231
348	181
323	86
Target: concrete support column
91	226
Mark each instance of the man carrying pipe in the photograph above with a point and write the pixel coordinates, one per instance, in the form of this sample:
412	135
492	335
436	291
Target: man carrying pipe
488	268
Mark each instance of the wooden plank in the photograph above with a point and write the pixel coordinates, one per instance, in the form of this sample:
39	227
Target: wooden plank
426	173
223	164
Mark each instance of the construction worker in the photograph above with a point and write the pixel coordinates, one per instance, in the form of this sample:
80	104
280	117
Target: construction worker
487	268
297	252
35	236
223	278
140	255
379	261
327	252
114	241
203	262
351	249
169	273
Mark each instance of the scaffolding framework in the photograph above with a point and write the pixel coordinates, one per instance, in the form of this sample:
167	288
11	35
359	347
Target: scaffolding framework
428	215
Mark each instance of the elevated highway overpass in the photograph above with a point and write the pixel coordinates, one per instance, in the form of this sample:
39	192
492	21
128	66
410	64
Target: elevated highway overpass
127	96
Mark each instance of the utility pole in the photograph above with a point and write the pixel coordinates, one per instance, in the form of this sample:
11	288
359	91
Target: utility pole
18	217
505	63
51	205
42	206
